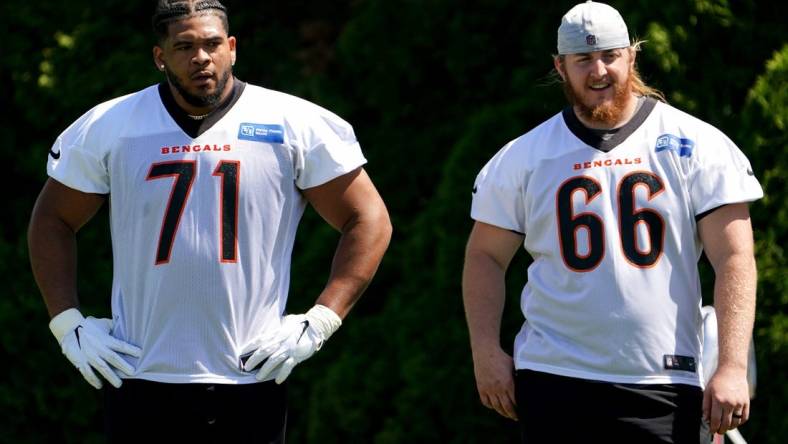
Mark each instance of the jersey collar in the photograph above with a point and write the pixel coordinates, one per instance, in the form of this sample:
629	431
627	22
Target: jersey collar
194	127
595	140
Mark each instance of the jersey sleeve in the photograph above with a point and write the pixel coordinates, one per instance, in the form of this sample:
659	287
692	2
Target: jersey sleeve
721	175
75	159
498	193
327	147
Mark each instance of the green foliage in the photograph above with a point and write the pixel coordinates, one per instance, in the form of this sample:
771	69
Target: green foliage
433	88
763	130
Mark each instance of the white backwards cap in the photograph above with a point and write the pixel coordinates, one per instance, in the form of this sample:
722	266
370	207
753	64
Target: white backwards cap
591	26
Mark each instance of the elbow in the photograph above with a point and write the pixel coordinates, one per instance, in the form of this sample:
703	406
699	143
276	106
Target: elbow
36	229
370	224
384	227
378	223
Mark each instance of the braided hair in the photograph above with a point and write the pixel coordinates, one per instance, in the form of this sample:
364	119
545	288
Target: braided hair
169	11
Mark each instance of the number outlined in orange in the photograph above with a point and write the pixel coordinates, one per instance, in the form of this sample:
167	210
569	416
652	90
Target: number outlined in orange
184	172
625	192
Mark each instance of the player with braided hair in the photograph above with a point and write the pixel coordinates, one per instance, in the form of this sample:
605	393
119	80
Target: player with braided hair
207	177
168	11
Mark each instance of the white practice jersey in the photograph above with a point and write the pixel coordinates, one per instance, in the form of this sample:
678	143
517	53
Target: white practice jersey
613	293
202	227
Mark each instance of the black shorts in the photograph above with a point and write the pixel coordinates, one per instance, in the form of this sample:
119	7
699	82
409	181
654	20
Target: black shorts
145	411
555	409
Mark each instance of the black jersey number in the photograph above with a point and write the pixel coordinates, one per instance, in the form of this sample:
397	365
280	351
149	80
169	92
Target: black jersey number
629	218
183	171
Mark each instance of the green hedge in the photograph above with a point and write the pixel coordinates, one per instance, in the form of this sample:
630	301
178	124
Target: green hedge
433	88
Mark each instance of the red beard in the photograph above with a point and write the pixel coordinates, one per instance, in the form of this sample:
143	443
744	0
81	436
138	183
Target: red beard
607	113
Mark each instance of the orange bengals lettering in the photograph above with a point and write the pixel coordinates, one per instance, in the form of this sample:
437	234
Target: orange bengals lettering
175	149
606	163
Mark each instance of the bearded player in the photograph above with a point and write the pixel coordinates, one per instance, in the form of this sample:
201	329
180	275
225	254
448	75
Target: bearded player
614	198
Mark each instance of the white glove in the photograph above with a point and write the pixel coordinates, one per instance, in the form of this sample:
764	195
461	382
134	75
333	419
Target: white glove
88	345
298	339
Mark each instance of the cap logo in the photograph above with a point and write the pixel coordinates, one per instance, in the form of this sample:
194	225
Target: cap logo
590	40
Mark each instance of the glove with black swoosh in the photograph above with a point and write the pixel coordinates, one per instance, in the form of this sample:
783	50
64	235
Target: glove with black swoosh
87	343
298	339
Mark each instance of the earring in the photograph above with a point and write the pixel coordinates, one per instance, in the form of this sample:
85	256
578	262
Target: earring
161	67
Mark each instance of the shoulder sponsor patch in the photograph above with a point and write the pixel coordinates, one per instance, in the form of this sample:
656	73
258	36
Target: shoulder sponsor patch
678	362
261	132
670	142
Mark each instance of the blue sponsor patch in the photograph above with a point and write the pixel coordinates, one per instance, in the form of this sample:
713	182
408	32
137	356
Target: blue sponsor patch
261	132
673	143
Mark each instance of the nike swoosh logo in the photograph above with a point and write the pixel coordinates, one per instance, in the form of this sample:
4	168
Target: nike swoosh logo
76	330
749	172
245	357
306	325
474	189
55	155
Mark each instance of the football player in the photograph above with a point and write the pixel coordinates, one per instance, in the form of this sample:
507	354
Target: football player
614	198
207	177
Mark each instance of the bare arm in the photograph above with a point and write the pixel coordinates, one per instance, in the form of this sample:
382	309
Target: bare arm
727	239
352	205
58	214
487	256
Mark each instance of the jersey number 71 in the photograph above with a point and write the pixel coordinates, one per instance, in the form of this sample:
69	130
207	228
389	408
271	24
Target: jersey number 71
183	171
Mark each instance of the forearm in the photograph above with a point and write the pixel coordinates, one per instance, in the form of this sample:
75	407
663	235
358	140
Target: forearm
365	237
53	258
361	247
734	301
484	295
